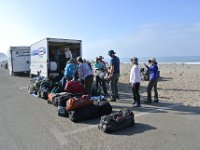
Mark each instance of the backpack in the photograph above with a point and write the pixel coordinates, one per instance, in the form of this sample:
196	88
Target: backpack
122	119
53	98
62	99
62	111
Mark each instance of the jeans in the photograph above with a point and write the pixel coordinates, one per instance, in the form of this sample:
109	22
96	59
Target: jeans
113	85
152	84
136	95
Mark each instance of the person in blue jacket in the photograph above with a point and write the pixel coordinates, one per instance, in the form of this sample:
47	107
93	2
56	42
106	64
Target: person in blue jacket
153	80
69	72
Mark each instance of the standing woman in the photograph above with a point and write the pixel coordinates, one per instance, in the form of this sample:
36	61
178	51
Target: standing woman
85	74
153	80
135	79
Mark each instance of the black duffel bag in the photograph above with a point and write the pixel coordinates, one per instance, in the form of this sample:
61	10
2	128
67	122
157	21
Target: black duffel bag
62	99
62	111
86	113
103	107
122	119
43	92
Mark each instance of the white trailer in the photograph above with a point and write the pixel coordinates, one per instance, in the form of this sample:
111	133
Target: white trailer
49	56
19	59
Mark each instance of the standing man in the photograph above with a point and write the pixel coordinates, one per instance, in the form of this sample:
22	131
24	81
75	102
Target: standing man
135	79
85	74
114	73
153	80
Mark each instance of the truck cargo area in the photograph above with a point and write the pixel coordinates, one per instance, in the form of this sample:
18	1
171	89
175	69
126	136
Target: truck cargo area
57	54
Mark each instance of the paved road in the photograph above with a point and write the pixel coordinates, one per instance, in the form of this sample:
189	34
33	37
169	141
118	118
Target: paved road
29	123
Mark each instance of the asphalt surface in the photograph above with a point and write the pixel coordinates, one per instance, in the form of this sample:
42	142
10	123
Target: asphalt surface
29	123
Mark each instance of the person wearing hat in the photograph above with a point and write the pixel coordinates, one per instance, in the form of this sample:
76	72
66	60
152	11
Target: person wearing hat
153	80
135	79
114	73
101	60
100	72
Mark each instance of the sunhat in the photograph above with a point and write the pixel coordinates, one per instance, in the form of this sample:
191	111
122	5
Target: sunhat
153	59
111	52
101	57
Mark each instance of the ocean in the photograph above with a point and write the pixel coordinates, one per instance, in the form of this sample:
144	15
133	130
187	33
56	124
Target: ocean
168	60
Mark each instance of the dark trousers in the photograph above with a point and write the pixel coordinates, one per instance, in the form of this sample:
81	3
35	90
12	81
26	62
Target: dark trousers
88	84
152	84
136	95
102	83
114	85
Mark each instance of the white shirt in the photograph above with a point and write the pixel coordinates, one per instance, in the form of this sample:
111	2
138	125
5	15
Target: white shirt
68	54
84	70
135	74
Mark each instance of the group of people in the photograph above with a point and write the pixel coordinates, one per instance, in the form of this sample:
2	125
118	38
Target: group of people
103	73
135	80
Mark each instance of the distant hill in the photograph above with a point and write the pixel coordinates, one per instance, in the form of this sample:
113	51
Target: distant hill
3	57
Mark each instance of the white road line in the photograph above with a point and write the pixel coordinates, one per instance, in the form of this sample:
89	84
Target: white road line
62	137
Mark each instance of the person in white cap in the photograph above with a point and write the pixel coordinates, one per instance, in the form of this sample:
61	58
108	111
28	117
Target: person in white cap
135	79
153	80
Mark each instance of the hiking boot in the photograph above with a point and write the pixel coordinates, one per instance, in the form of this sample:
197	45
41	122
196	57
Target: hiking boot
148	102
137	105
112	99
134	102
117	97
156	101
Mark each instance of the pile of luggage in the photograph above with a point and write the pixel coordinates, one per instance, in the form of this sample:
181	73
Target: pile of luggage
72	102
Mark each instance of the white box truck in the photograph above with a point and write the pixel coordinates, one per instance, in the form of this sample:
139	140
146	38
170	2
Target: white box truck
50	55
19	59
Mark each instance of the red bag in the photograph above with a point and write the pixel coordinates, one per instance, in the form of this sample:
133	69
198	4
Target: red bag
76	103
74	87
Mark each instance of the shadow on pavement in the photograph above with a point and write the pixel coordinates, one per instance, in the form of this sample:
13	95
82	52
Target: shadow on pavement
138	128
161	107
91	121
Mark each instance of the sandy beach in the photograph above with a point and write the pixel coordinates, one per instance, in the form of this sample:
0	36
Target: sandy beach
179	83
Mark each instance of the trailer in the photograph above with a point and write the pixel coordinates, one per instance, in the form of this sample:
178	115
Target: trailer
50	55
18	59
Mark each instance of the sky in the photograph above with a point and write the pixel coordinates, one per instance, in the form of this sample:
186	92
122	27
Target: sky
141	28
